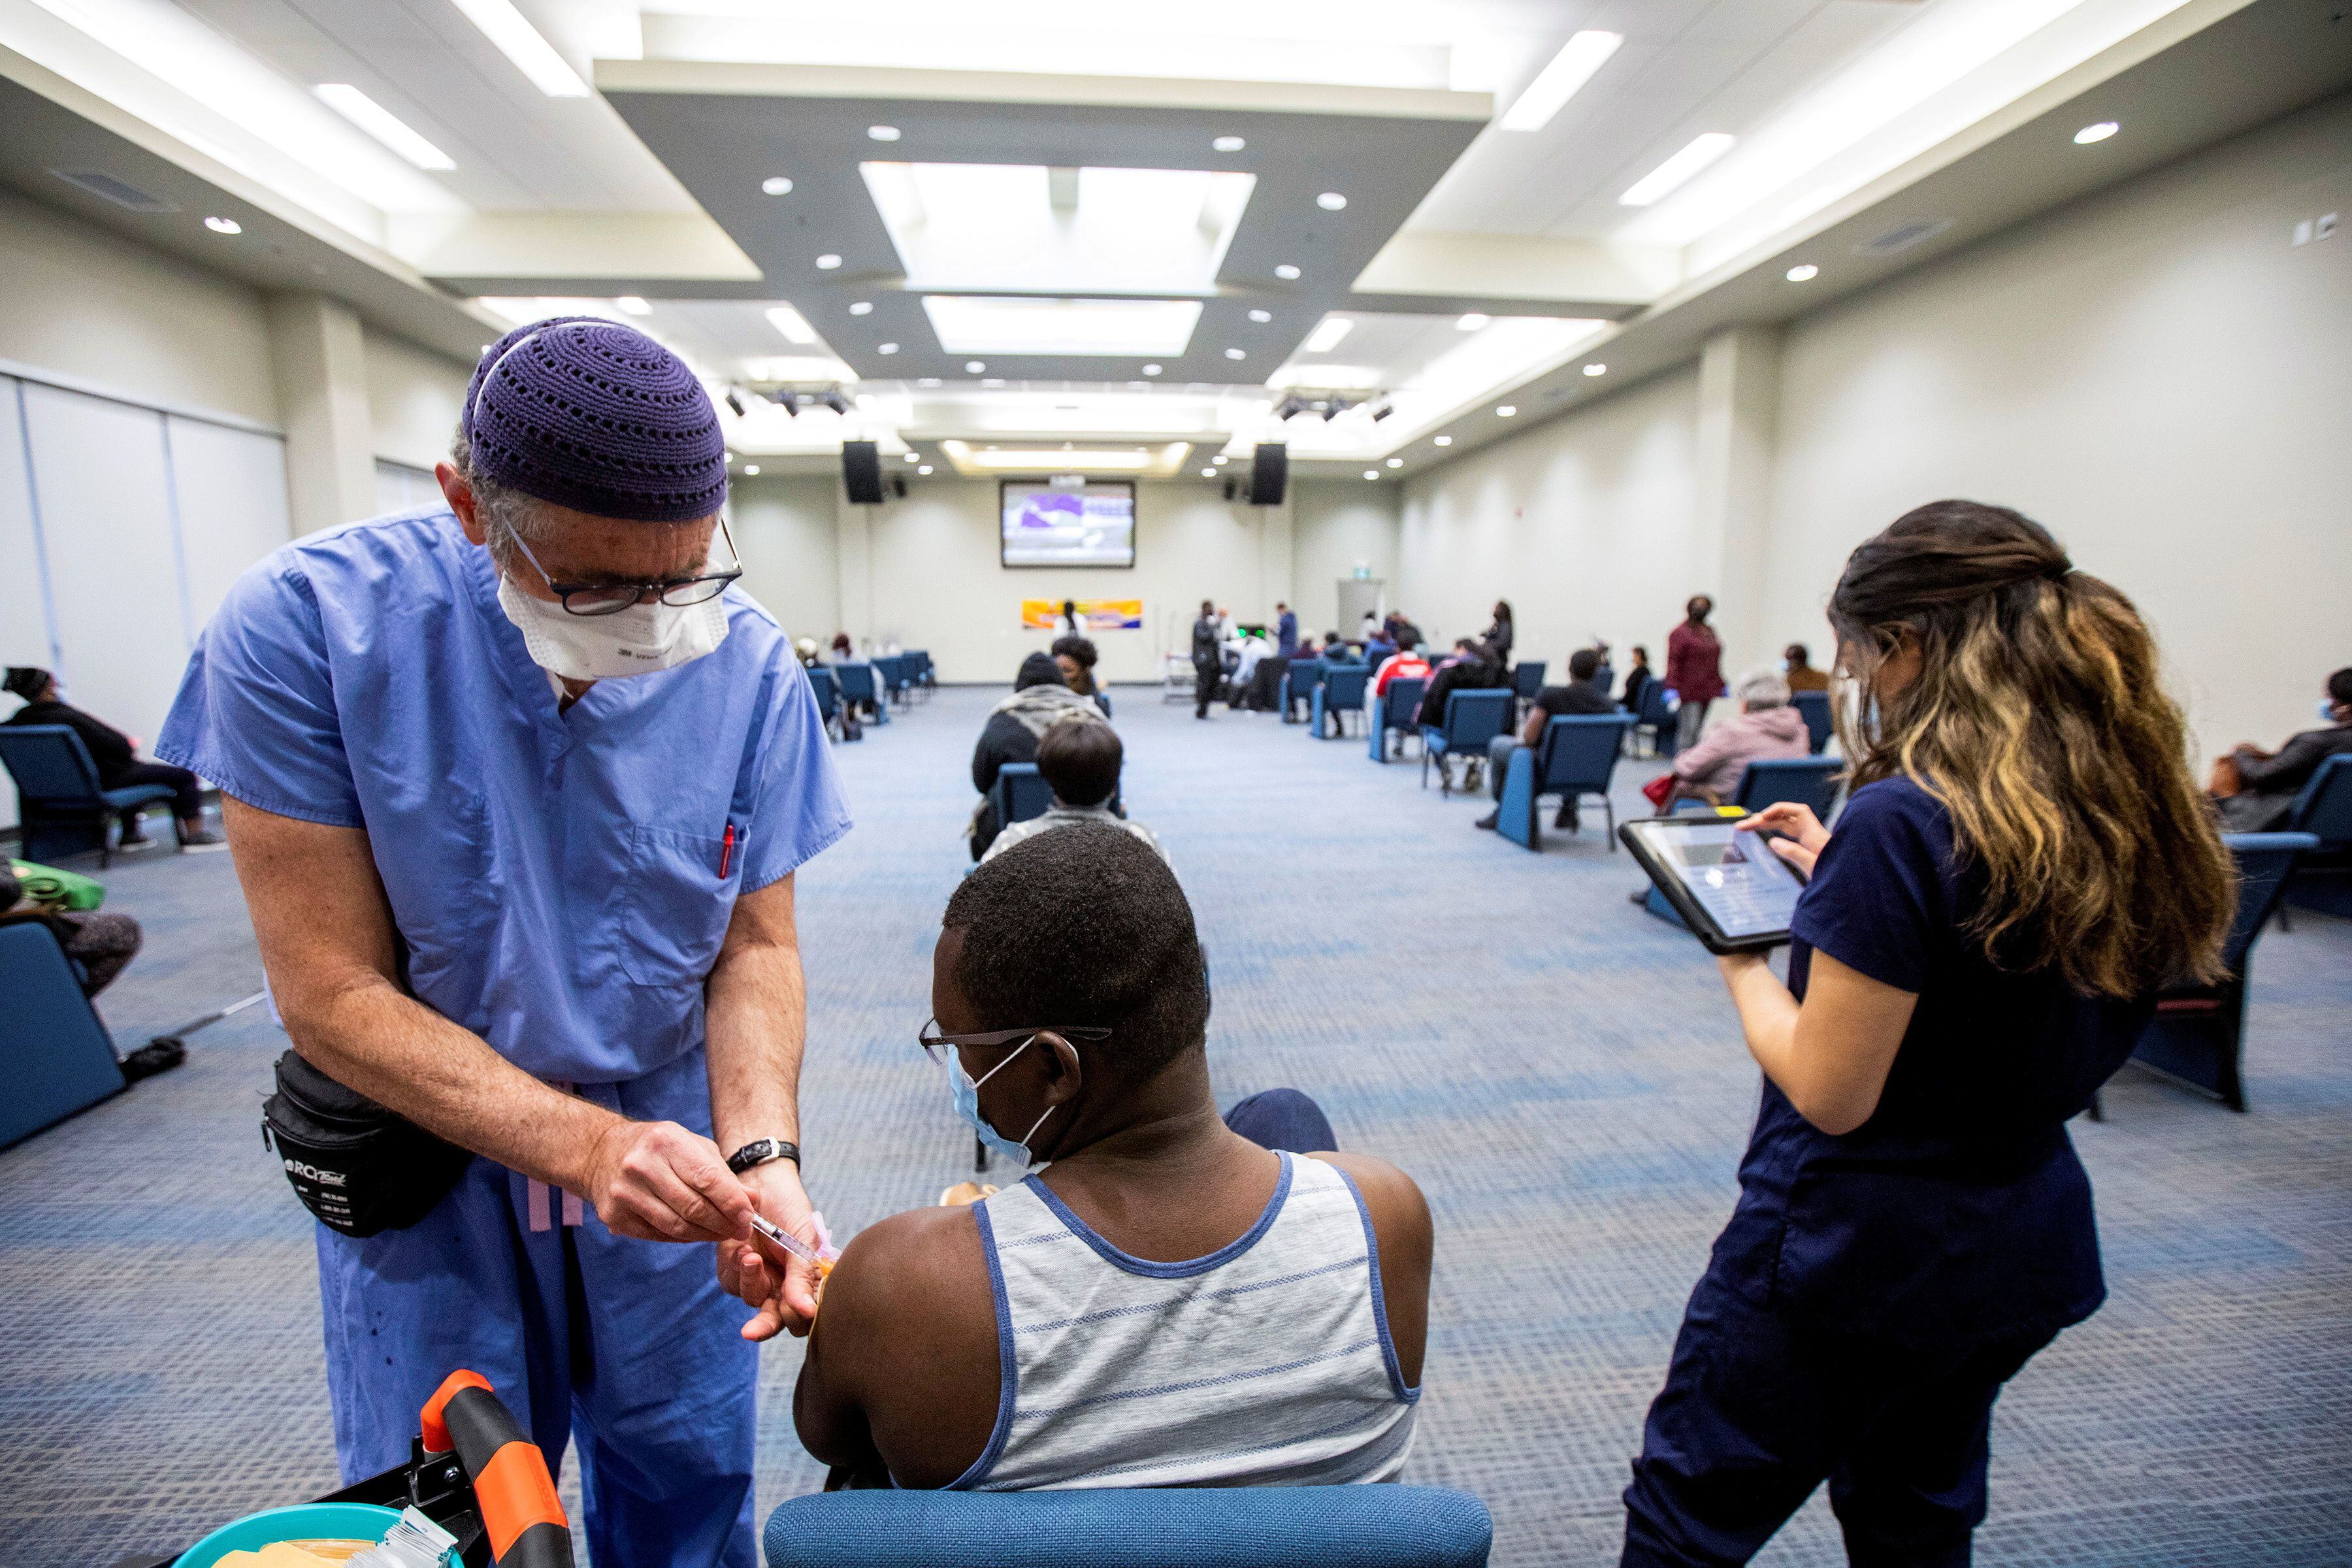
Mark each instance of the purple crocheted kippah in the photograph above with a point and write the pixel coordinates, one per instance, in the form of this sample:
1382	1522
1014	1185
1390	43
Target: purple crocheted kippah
599	417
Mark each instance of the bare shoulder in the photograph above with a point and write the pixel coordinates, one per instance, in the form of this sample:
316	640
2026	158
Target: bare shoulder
898	1265
1407	1247
1388	1193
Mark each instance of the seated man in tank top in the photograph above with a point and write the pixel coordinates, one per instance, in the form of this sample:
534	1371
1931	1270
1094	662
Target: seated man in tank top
1179	1297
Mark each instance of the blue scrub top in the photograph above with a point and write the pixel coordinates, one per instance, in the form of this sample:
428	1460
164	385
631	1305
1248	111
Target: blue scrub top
563	881
1958	1211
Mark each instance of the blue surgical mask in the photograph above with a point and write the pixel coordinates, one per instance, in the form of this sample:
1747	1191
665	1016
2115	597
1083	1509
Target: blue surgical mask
2327	711
964	1090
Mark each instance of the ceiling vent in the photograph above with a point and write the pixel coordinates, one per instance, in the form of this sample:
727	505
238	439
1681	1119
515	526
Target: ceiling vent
120	192
1902	236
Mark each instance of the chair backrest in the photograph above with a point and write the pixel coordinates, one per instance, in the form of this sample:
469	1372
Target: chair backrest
828	691
1580	751
1476	716
54	1056
1343	687
1809	781
1527	678
1143	1527
1657	704
1815	708
2263	861
890	671
857	680
1021	793
1401	700
49	763
2324	808
1306	674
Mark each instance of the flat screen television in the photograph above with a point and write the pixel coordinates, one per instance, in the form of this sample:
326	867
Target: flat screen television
1045	524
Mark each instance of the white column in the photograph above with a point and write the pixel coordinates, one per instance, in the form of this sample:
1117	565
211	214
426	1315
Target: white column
318	360
1739	404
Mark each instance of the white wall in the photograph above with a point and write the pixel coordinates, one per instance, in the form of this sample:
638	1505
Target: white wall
784	528
415	396
1335	526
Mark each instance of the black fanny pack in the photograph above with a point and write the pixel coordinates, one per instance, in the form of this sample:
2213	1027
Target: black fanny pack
357	1165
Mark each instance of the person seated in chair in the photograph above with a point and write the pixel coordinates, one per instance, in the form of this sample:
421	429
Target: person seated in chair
1335	651
1040	696
100	942
1471	667
116	755
1076	657
2254	790
1177	1298
1582	694
1637	681
1766	726
1079	761
1797	660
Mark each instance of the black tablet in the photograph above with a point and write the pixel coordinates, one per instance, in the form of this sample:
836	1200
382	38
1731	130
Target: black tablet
1732	888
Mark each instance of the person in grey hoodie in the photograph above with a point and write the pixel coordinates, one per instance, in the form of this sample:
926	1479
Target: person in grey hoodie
1766	726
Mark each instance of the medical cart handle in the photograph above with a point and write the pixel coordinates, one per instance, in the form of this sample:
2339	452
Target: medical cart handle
512	1490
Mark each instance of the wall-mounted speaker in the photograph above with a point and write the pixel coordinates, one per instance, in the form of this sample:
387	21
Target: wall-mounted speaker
899	486
1269	473
861	471
1232	489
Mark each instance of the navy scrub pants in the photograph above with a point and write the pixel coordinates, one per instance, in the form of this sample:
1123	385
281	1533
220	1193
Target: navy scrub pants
1758	1410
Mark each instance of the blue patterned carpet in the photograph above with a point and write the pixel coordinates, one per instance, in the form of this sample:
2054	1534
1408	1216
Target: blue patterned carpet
1561	1073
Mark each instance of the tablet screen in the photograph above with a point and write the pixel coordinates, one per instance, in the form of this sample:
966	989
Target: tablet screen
1744	887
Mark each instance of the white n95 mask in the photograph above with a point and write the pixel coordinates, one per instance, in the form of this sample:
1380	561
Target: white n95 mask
634	641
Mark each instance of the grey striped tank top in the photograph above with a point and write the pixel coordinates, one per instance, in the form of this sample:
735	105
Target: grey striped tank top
1267	1362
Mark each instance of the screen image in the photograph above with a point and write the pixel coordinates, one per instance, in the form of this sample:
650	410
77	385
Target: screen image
1043	526
1734	876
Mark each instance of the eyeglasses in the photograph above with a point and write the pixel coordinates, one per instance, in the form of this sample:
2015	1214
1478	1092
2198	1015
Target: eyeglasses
936	1046
611	598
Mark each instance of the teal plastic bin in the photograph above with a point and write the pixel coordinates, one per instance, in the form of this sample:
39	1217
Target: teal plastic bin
304	1521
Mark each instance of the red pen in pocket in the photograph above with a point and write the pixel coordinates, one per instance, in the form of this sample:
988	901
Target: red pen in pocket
727	852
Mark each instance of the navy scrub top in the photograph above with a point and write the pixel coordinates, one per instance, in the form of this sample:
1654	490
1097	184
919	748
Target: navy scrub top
1958	1211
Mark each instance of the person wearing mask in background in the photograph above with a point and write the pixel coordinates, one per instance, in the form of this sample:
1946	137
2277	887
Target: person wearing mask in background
2254	790
1208	658
1694	668
2023	861
1040	697
446	739
1080	763
1286	630
1637	681
116	756
1797	662
1076	656
1500	634
1582	694
1767	726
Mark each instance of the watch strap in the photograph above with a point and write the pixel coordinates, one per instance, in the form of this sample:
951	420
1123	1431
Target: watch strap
759	1151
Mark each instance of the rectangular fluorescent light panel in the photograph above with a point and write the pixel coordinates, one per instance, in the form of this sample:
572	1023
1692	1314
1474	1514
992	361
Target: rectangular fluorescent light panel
792	324
382	124
520	42
1327	334
1656	184
974	324
1583	54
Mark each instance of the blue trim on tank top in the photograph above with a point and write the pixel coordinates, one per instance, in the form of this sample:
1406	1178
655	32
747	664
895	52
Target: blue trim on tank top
1006	1364
1405	1395
1188	1267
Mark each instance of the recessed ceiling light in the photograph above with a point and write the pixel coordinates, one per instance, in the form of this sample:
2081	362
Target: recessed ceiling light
1236	353
1327	334
792	324
929	381
520	42
973	367
382	124
1503	411
224	225
1151	370
1218	458
886	347
1698	154
861	308
776	185
1568	70
1208	473
1596	368
1472	321
1330	200
751	467
827	262
1228	143
1286	272
1803	272
910	457
1372	473
1396	462
924	469
2099	133
1261	315
633	305
882	133
1440	440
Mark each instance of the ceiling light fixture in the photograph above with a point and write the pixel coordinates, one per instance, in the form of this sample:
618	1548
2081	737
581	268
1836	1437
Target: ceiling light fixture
1503	411
1228	143
1286	272
1596	368
1472	321
523	44
1696	155
1332	201
886	347
2098	132
750	469
1236	353
861	308
1327	334
382	124
633	305
882	133
792	324
1396	462
1803	272
1382	412
1372	473
224	225
1440	440
827	262
1208	473
1261	316
1568	70
776	185
924	469
910	457
835	401
735	402
973	366
1151	370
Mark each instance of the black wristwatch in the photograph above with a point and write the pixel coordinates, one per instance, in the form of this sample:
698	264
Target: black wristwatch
761	1151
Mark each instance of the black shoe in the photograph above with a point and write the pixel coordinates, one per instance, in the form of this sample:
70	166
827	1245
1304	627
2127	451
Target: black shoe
1490	819
1639	896
138	840
199	842
159	1055
1566	821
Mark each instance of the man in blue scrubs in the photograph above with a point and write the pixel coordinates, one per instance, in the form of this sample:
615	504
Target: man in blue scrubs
516	787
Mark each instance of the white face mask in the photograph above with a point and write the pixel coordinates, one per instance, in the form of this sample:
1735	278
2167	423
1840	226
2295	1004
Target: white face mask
634	641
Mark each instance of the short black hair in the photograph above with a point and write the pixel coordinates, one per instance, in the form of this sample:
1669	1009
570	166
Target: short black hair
2339	687
1331	637
1799	652
27	681
1085	924
1080	758
1076	648
1037	670
1583	664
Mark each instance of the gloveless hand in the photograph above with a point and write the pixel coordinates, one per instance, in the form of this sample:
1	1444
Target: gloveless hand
656	1181
786	1298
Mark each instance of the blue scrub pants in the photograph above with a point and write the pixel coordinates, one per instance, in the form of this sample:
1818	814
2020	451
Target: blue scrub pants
1758	1410
629	1346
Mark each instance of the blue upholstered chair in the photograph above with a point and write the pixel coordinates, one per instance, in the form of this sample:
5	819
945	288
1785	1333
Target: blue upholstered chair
861	686
895	676
56	1057
1160	1527
1814	706
1473	718
926	677
1656	714
60	805
1340	694
828	687
1020	792
2322	878
1392	713
1576	757
1299	682
1809	781
1527	680
2198	1035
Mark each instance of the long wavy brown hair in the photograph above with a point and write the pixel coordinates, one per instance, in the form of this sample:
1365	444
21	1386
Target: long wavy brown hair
2039	721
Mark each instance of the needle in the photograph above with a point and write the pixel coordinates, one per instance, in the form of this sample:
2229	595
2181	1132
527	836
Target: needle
792	1244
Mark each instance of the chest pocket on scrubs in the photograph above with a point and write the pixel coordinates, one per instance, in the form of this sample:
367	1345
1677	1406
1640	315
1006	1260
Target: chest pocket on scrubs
675	905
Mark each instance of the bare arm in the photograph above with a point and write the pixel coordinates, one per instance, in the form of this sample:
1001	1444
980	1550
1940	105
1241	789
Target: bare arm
1408	1243
325	935
1831	1055
1532	730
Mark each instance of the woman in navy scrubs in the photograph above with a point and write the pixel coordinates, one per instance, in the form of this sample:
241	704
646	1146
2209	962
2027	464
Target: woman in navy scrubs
2023	859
